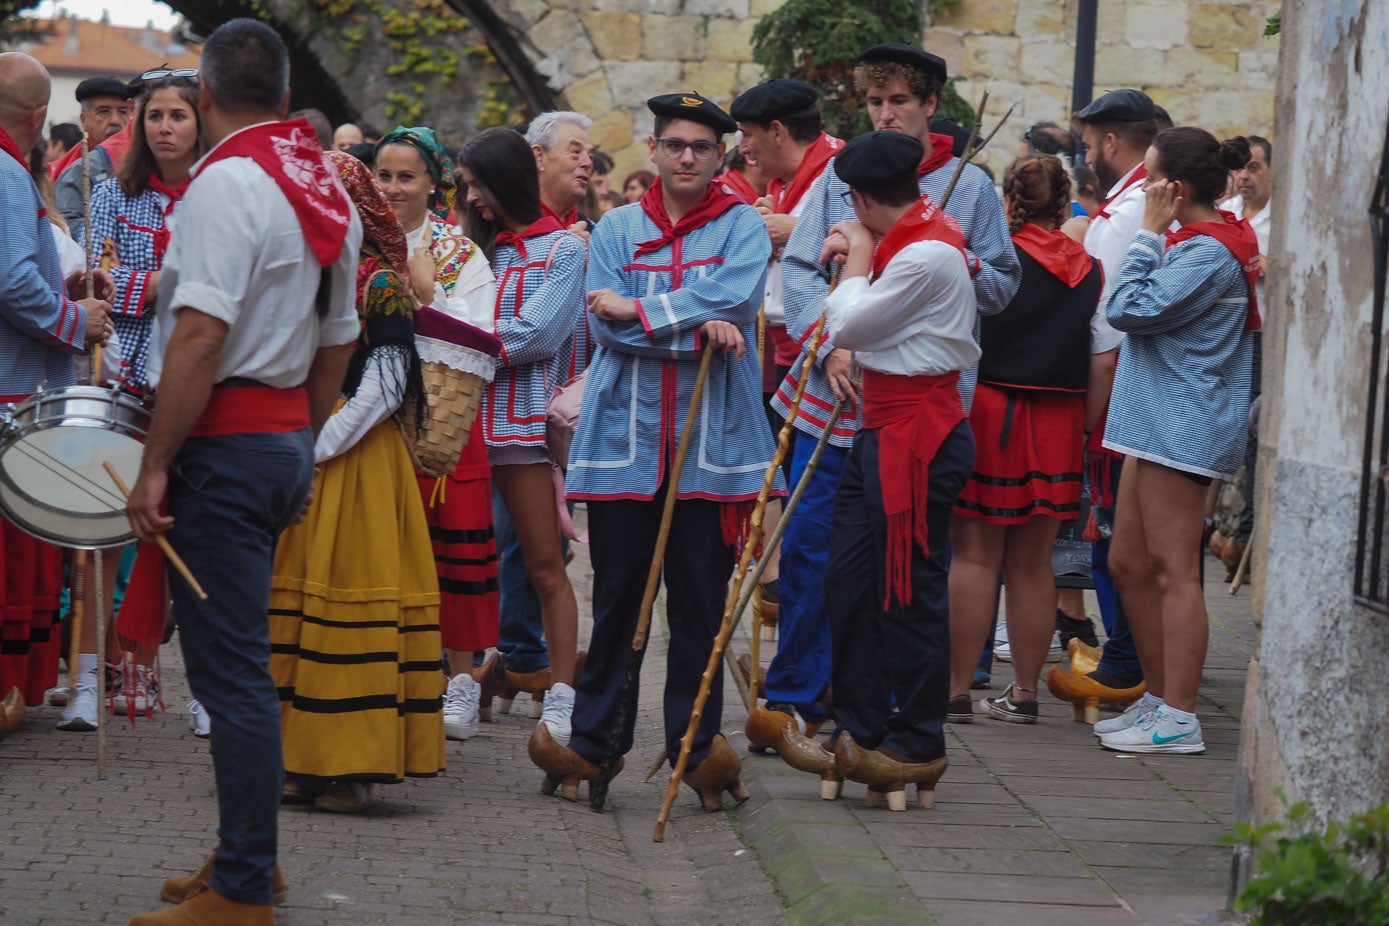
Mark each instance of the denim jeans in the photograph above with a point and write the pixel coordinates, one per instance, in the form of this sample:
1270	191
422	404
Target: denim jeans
230	498
521	637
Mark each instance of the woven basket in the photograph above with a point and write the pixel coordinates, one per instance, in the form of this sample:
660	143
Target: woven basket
455	379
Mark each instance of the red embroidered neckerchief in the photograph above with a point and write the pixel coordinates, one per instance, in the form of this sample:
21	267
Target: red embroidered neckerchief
740	185
1238	236
289	152
161	234
785	196
923	222
564	220
10	147
1059	254
1138	176
940	153
541	226
717	200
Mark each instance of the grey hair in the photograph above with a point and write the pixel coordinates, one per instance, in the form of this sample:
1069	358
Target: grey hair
245	66
544	128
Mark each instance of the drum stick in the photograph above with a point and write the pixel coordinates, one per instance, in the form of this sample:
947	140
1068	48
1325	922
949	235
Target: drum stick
159	539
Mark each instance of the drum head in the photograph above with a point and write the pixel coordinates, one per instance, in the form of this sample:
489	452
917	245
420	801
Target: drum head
52	484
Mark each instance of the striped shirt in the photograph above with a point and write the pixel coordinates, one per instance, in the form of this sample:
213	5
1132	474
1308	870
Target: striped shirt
993	265
539	307
644	370
40	327
1181	390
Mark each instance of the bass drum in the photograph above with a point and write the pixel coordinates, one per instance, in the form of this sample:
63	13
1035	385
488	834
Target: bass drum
52	447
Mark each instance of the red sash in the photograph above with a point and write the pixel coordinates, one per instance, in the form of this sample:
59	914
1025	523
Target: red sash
939	153
1138	176
1060	255
542	226
923	222
10	147
161	234
915	415
717	200
253	410
1238	237
289	152
785	196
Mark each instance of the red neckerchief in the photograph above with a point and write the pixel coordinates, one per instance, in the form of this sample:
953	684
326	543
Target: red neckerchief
1059	254
922	222
541	226
785	196
717	200
564	220
161	234
11	147
915	414
1139	176
940	153
1238	236
740	184
115	146
290	154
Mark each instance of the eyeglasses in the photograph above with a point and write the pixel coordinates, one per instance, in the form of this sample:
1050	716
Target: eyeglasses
674	148
158	73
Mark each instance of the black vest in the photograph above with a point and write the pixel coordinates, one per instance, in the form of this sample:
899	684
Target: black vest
1042	340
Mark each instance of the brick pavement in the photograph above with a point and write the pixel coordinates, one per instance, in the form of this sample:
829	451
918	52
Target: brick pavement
1021	832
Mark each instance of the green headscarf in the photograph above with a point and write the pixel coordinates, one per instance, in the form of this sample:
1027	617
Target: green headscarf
436	161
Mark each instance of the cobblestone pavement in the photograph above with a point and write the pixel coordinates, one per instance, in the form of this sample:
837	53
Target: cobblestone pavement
1033	825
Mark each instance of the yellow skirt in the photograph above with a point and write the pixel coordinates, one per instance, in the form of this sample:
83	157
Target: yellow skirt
354	623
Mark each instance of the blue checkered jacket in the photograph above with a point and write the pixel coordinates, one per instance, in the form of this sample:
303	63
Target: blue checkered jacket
131	222
643	371
993	265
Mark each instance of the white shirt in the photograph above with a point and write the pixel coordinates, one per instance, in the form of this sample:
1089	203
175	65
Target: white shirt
241	256
1260	224
917	318
772	305
474	296
1107	240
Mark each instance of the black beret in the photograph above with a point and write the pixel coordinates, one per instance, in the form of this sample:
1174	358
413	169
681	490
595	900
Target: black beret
1119	106
877	157
101	86
773	99
909	55
693	107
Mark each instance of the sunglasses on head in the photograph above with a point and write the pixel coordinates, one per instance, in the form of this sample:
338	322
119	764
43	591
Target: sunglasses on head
159	73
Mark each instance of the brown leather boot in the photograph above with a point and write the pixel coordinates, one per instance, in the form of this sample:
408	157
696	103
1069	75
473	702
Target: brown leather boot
180	887
716	774
206	907
563	767
491	676
807	755
887	774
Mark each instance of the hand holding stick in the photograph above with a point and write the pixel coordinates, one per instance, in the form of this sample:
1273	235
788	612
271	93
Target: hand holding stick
159	539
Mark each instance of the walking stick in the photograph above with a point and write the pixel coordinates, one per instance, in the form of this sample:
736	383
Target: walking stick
598	789
737	601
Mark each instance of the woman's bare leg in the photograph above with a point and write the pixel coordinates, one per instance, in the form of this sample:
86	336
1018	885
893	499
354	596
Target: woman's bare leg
1030	592
1131	567
976	555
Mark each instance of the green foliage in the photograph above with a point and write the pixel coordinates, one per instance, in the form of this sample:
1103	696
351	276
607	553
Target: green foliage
817	41
14	28
1274	26
1332	876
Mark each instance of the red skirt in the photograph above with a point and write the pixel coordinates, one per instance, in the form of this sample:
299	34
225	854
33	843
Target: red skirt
1029	450
458	509
31	575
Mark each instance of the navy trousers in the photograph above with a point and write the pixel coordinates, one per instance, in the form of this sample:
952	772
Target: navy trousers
1120	659
898	656
230	498
698	565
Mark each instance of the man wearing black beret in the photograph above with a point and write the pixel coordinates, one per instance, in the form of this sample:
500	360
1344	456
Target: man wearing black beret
905	304
105	112
670	278
900	86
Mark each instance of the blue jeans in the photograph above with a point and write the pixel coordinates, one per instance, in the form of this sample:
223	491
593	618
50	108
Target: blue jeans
521	636
1120	659
231	497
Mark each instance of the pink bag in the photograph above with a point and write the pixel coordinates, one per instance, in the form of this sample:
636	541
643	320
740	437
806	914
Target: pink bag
562	417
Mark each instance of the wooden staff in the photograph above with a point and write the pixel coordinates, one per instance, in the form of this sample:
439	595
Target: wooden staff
598	788
160	540
1243	569
971	151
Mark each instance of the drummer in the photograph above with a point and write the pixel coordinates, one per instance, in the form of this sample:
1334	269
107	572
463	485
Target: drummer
43	321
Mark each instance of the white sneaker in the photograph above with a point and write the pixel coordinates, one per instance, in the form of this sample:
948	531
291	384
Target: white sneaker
1004	653
1129	718
1159	732
143	695
80	714
559	710
199	720
461	703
